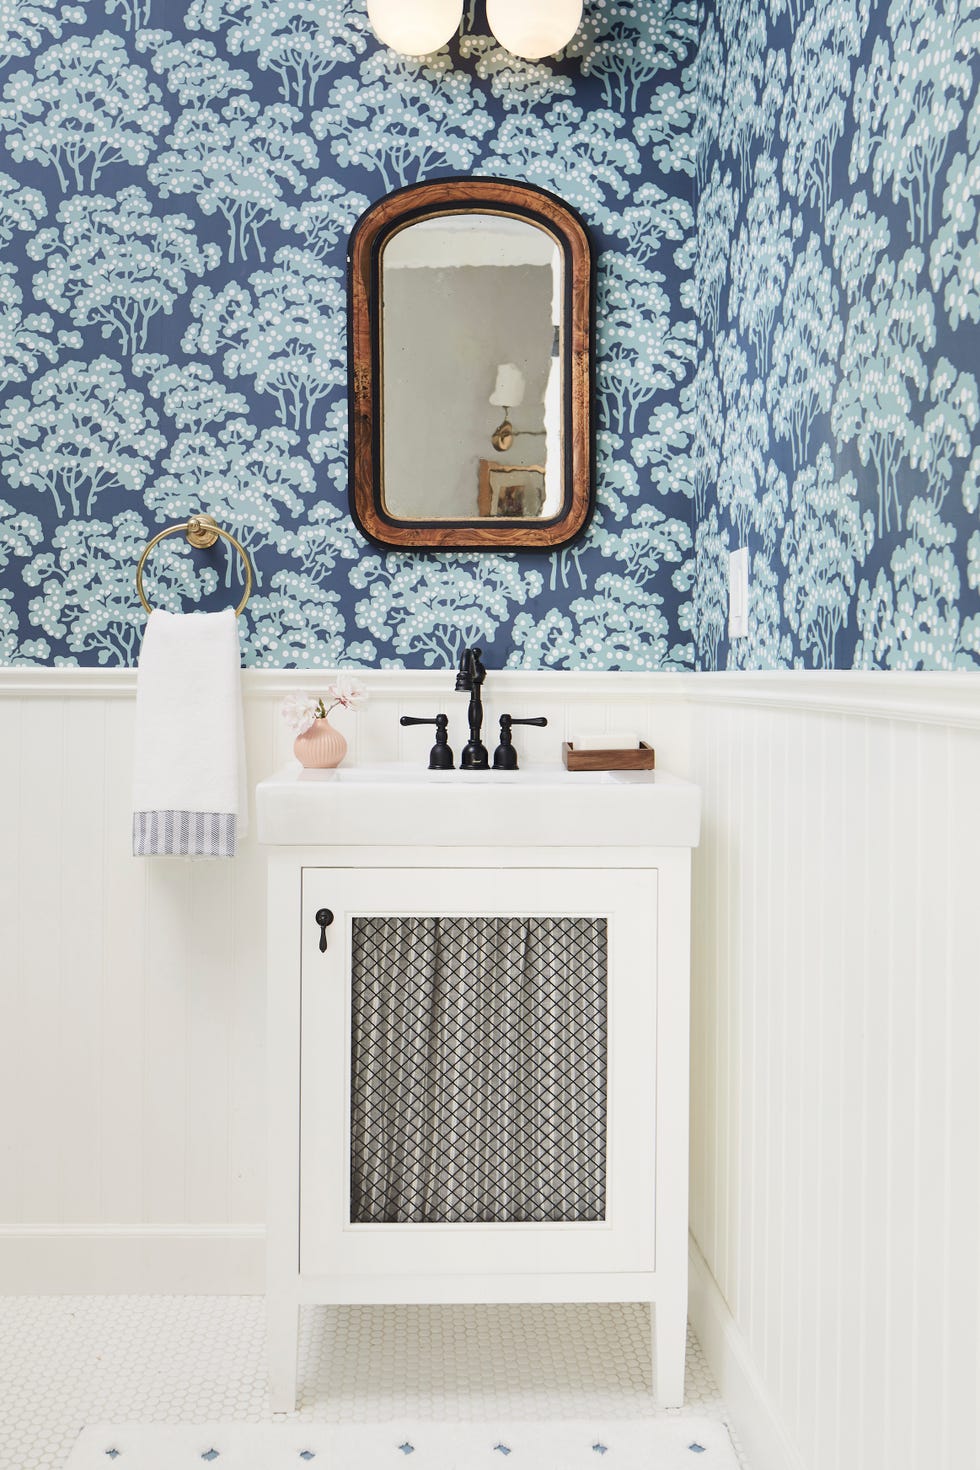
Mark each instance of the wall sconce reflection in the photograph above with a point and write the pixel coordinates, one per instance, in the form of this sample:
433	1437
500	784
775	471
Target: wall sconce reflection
527	28
508	394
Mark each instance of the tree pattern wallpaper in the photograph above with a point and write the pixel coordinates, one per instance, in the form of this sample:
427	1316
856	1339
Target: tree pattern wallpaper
837	278
783	197
178	180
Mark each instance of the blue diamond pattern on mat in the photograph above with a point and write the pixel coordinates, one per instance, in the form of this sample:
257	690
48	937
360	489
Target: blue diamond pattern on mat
600	1449
501	1449
210	1455
307	1455
696	1449
113	1454
406	1448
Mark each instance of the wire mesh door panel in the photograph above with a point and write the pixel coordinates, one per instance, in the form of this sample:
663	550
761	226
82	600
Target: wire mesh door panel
478	1069
478	1077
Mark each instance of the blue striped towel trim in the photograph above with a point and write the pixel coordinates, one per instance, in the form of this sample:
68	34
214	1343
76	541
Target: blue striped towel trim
184	834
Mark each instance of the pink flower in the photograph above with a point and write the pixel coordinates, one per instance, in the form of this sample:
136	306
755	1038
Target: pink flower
301	710
346	691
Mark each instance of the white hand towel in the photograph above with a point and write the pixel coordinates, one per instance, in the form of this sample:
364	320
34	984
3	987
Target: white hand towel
189	795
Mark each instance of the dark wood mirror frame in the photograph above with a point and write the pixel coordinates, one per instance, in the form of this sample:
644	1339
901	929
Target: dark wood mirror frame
368	239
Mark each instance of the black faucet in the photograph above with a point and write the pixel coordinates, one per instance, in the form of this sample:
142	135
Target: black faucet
469	681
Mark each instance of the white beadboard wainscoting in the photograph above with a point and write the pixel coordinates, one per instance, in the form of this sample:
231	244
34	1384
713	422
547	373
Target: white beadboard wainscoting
836	1033
132	1002
836	1018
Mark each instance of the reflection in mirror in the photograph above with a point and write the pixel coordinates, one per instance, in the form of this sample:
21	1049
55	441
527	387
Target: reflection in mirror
472	309
471	331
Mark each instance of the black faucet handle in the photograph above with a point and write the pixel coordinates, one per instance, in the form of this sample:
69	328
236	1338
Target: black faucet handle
505	756
440	756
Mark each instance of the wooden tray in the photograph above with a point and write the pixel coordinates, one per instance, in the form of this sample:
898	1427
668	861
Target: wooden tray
643	758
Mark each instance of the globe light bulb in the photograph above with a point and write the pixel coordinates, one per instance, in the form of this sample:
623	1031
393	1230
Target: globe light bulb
534	28
415	27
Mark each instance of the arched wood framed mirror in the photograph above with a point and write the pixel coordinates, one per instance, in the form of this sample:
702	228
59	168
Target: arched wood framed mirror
471	318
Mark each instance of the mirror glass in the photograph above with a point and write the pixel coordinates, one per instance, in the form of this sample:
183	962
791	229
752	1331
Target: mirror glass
471	368
471	308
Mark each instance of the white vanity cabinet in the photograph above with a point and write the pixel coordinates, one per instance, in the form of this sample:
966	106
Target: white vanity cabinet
477	1058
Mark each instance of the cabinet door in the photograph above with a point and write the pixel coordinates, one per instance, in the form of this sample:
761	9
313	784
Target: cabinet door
478	1071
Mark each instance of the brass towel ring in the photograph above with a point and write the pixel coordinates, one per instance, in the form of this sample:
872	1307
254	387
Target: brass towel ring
202	532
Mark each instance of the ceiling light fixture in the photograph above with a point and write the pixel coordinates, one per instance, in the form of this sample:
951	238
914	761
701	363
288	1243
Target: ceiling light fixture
527	28
534	28
415	27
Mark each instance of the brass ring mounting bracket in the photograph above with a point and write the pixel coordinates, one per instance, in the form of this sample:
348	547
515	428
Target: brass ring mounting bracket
202	532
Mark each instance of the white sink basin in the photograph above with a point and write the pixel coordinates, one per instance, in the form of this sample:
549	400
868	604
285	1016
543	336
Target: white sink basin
544	806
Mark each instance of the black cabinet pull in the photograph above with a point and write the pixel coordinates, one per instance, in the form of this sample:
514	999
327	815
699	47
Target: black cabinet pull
324	918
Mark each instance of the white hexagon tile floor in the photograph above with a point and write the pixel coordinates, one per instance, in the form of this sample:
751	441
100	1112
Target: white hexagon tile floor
70	1361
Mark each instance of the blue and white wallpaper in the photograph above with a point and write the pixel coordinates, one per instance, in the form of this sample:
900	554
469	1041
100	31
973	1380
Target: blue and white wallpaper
178	179
784	194
837	275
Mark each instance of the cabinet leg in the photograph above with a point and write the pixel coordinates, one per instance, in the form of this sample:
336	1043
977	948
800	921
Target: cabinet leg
668	1331
282	1325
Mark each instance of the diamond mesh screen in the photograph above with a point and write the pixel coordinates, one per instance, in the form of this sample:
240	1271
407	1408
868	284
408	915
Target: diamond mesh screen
478	1079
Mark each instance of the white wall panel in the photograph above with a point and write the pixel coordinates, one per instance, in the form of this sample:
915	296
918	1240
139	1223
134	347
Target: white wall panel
836	1023
836	1127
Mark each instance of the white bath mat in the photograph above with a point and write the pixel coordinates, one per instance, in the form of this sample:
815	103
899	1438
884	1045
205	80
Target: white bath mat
651	1444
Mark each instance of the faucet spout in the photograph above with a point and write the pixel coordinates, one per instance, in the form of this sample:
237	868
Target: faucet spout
464	679
469	680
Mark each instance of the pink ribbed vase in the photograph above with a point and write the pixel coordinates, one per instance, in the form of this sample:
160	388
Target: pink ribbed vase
321	747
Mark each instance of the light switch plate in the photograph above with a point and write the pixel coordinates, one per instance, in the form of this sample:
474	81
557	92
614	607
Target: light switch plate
738	593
